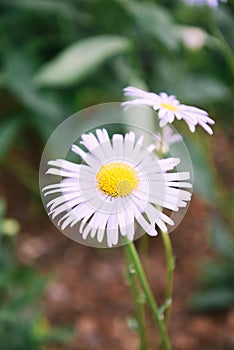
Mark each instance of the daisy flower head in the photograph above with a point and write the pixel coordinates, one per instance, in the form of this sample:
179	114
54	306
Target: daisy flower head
118	184
168	108
210	3
167	138
193	38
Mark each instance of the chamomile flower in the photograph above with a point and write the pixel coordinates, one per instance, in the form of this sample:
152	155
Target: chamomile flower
168	108
119	183
210	3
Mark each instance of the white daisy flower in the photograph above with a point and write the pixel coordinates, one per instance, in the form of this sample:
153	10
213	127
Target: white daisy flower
166	138
168	108
210	3
194	38
119	183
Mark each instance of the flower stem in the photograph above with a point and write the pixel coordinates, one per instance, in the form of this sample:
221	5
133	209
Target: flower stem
143	249
138	302
222	43
170	261
158	317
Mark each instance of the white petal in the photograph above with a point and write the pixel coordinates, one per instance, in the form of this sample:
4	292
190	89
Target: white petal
61	199
65	165
139	93
128	144
185	175
68	221
105	143
163	122
179	184
86	231
62	173
80	212
67	206
102	226
170	116
129	221
93	146
122	224
192	109
206	127
154	214
147	227
77	213
117	142
139	102
168	163
112	230
87	157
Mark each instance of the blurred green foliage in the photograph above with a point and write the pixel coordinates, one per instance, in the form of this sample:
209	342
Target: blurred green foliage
217	275
59	56
22	324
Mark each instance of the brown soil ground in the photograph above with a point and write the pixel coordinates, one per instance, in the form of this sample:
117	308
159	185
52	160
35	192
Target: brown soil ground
88	288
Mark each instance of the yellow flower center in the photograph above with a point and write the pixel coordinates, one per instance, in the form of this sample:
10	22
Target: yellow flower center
169	106
117	179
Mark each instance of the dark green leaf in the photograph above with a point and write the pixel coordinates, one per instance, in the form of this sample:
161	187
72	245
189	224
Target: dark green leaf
203	89
53	7
61	336
79	60
217	274
3	207
17	79
212	300
8	130
204	179
155	21
222	239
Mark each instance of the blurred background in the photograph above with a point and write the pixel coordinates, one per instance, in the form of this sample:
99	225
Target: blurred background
58	57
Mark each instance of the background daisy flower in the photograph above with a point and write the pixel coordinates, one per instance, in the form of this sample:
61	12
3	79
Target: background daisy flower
119	182
166	138
210	3
169	108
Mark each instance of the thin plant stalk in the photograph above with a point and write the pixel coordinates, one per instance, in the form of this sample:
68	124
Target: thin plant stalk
152	304
222	42
170	261
143	250
138	302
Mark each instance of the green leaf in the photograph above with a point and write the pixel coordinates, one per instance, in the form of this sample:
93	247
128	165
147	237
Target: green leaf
57	335
3	207
17	79
224	17
8	130
204	178
33	100
212	299
26	295
80	59
53	7
203	89
216	274
155	21
222	239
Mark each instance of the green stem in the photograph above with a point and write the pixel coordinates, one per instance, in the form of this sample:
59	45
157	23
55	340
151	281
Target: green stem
158	317
170	261
143	249
222	43
138	303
